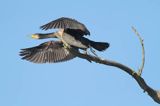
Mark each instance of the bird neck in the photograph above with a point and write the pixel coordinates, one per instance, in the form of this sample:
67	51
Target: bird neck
47	35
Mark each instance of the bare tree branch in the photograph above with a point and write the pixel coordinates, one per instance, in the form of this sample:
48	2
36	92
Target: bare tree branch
154	94
143	51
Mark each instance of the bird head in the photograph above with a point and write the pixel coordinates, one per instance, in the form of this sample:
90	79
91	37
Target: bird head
35	36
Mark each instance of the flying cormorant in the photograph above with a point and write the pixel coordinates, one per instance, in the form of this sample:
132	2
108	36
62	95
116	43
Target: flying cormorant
70	32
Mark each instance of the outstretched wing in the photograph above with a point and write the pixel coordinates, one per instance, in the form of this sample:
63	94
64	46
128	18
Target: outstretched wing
67	23
52	51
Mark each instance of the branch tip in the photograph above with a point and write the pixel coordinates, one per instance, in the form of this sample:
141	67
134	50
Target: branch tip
143	51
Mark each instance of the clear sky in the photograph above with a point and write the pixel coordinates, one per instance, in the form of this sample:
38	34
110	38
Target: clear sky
78	82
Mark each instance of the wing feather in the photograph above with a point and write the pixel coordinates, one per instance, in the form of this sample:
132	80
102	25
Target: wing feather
48	52
66	23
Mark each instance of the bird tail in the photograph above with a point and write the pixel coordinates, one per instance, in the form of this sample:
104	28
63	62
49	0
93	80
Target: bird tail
100	46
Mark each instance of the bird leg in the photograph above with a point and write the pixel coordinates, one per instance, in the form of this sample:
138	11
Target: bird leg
93	51
85	51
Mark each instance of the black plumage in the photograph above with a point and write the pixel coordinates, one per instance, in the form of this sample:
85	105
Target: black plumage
84	43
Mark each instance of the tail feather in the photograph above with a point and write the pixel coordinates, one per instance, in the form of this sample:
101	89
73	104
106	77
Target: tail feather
100	46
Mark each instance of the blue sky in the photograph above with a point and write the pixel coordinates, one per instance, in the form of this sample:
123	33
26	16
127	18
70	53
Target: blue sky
78	82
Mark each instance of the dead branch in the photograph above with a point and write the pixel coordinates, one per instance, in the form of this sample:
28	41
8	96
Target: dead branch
154	94
143	51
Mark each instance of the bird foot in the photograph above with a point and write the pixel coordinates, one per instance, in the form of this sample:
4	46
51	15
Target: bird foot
94	52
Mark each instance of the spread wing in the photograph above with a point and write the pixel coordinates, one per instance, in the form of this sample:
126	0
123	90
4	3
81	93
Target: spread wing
48	52
67	23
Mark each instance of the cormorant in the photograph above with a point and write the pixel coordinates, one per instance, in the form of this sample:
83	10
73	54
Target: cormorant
71	32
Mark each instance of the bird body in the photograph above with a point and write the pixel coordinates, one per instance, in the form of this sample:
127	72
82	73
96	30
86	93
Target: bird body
71	40
84	43
76	41
71	32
